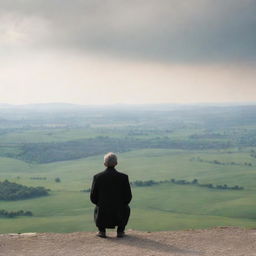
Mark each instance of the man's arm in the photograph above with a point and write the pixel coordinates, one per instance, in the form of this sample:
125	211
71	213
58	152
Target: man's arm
127	191
94	192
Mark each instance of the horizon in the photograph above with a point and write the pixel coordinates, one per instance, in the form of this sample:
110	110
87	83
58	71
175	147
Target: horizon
225	103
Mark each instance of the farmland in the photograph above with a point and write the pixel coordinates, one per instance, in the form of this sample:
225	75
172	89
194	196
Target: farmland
215	145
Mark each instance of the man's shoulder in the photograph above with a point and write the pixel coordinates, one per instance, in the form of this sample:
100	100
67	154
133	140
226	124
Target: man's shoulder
122	174
105	172
99	174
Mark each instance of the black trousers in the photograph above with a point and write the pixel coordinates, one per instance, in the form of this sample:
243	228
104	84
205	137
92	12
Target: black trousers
106	218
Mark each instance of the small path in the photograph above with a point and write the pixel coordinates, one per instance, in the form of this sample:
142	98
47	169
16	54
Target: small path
221	241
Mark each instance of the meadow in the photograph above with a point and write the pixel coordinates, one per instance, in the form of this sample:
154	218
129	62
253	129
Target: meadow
164	206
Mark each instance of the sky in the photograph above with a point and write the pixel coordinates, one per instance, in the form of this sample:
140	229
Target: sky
134	52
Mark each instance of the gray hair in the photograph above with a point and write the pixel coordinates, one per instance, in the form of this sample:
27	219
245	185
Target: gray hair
110	160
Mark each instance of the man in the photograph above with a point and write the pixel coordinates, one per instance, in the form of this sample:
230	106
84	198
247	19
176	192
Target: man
111	193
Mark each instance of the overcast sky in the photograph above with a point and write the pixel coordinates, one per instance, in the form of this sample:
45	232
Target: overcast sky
119	51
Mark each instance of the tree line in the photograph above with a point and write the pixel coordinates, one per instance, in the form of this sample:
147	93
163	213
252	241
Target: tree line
12	214
219	162
140	183
38	178
69	150
209	185
148	183
12	191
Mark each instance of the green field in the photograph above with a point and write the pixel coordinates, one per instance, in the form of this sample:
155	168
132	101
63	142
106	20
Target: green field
160	207
213	145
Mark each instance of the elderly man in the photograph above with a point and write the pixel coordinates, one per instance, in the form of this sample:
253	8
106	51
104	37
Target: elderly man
111	193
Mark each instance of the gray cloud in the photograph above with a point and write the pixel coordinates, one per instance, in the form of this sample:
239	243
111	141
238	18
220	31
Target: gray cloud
174	30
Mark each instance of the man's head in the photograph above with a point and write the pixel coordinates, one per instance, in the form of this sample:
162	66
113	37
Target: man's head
110	160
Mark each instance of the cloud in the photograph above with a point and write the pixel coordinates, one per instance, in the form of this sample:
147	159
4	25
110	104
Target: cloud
54	77
164	30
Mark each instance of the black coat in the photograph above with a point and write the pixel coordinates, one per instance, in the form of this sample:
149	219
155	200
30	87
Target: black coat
111	193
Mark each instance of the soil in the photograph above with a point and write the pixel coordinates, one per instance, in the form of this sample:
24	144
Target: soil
221	241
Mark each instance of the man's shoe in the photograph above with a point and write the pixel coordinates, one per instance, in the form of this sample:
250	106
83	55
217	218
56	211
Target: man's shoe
120	234
101	234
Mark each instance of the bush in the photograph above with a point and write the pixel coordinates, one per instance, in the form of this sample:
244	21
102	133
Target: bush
13	191
57	180
12	214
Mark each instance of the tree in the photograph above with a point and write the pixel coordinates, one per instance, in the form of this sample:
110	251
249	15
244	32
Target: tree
195	181
57	180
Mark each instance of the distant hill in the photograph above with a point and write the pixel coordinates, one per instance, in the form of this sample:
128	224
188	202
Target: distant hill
122	106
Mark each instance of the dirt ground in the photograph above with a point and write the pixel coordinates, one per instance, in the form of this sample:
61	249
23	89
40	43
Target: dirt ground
211	242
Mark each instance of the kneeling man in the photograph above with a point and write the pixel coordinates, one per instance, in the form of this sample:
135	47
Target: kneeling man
111	193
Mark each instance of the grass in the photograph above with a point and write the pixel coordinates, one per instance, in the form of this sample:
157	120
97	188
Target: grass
161	207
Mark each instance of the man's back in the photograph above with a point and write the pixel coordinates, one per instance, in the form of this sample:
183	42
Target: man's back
111	188
111	193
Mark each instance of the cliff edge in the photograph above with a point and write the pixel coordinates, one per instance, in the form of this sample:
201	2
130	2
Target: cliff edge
219	241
